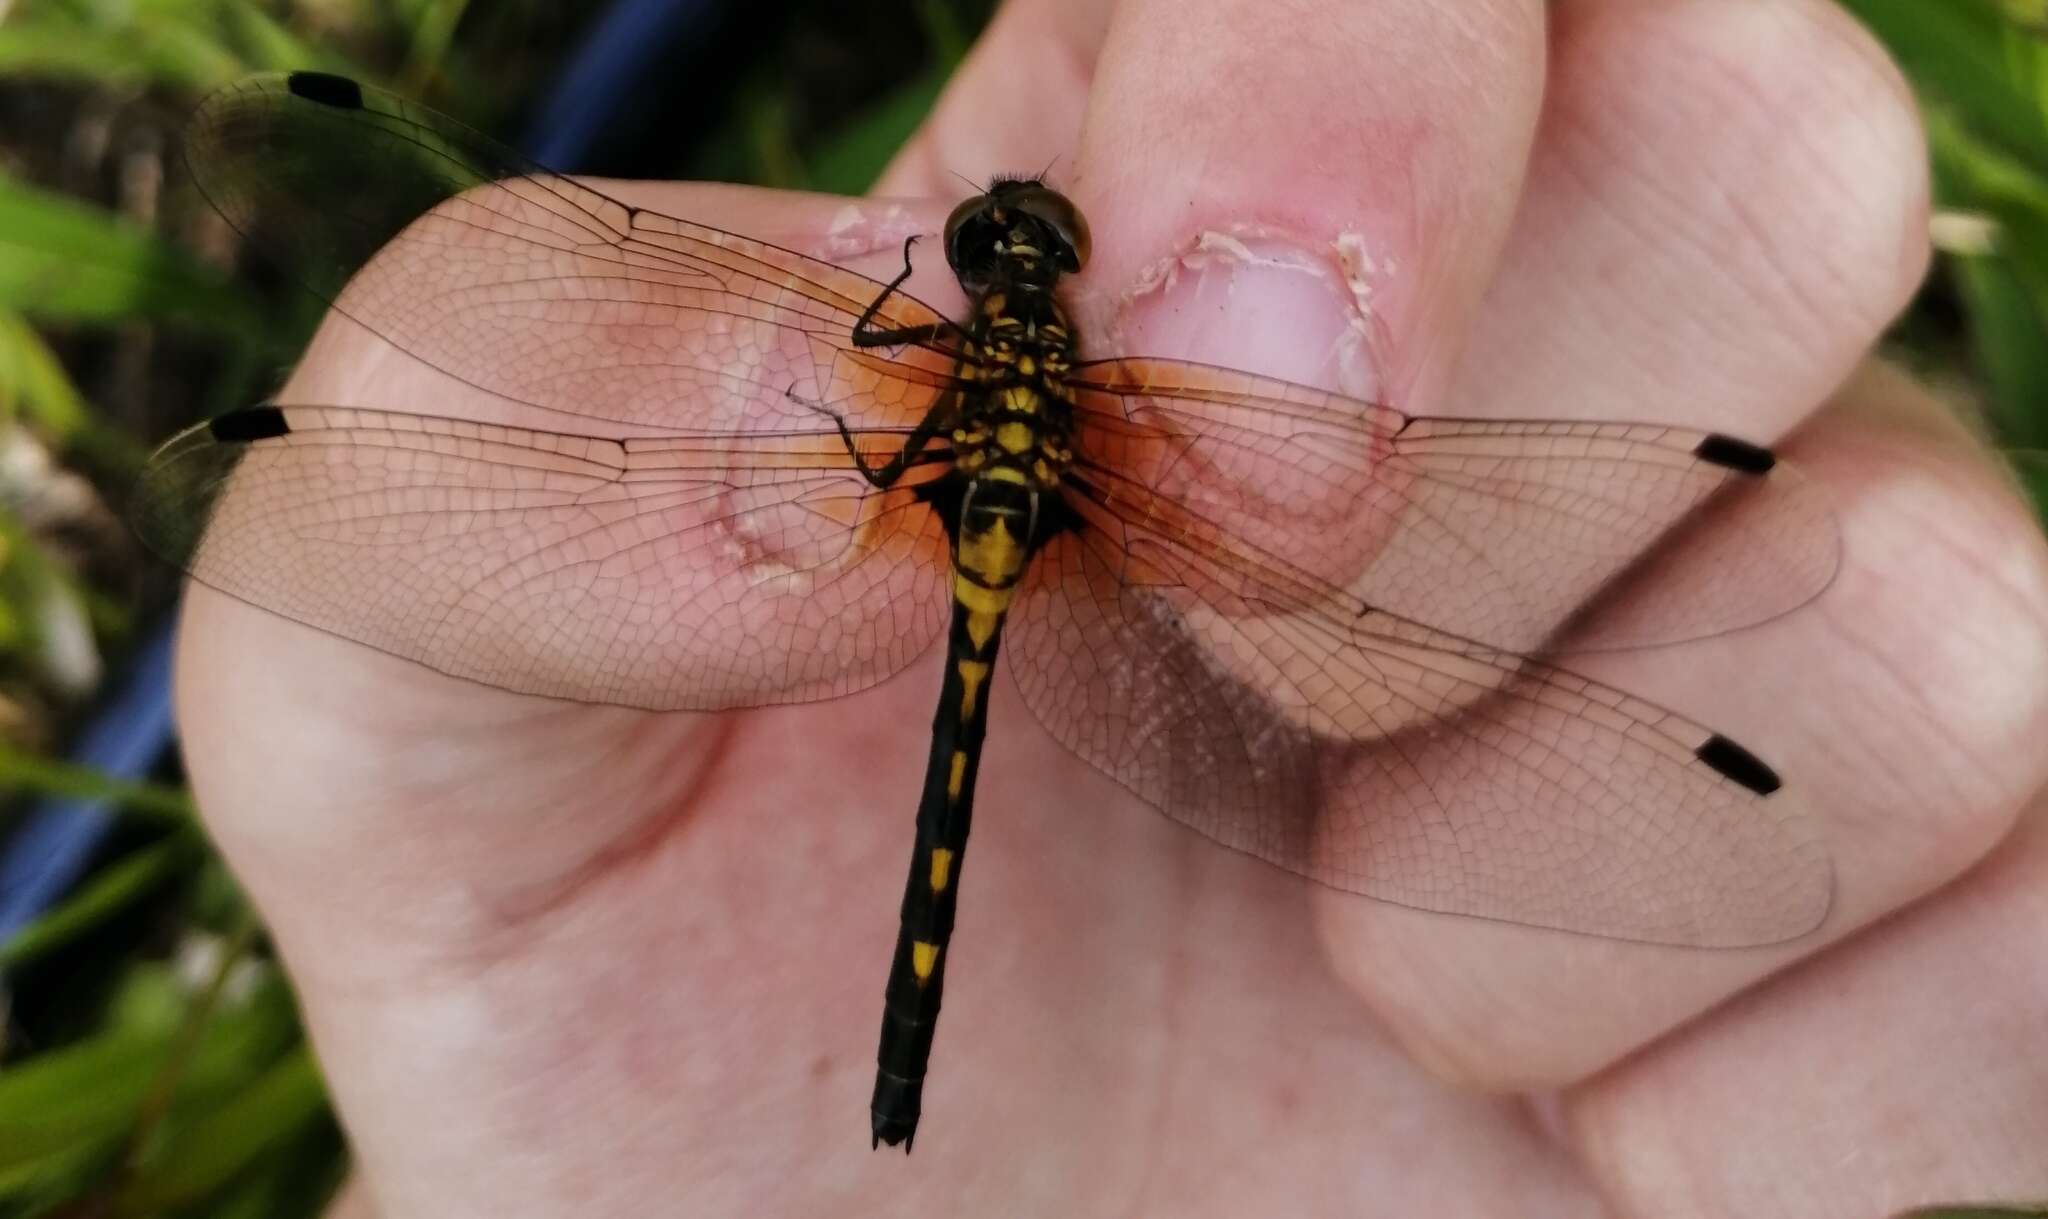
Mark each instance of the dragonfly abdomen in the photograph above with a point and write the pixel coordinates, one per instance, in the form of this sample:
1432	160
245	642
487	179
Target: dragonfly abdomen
991	548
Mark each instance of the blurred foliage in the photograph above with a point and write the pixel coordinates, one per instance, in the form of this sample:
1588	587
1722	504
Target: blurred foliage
61	260
799	141
160	1069
1980	69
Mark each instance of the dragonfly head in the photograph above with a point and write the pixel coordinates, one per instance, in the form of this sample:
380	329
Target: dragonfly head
1019	229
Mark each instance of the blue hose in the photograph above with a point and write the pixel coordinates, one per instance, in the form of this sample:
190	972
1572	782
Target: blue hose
125	740
609	71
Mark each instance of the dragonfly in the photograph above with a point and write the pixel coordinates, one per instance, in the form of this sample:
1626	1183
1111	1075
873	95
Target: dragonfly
1316	630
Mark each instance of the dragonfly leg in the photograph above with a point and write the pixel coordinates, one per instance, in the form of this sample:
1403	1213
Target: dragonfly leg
886	474
866	335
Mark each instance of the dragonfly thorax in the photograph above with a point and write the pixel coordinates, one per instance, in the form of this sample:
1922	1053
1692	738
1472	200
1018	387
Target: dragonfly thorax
1016	424
1009	246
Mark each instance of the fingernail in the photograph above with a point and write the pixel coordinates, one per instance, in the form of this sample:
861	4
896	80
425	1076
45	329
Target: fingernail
1267	305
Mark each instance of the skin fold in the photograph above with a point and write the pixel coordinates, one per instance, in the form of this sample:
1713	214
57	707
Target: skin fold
569	960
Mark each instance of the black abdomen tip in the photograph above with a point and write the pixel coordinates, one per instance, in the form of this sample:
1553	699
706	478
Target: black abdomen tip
1737	764
895	1109
894	1130
326	88
1735	454
253	423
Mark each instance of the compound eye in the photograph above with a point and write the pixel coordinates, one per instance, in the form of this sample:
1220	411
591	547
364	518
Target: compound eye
1059	214
968	223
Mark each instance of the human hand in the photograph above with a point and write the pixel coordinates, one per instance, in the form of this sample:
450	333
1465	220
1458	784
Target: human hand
571	960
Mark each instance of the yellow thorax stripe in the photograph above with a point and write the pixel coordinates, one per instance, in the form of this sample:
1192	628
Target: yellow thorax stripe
1016	436
1021	400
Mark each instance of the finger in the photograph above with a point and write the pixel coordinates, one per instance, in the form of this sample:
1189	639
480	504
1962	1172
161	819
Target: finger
1721	214
1294	191
1900	1072
1015	104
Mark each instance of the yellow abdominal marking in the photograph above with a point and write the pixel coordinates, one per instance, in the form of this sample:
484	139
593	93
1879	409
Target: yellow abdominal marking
923	957
991	553
942	869
981	627
959	774
972	674
983	606
989	557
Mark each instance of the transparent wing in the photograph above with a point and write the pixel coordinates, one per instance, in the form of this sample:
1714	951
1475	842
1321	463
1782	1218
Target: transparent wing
1497	531
697	572
1289	620
734	559
538	287
1292	622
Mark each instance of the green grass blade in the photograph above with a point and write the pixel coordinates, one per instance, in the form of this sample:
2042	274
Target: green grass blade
206	1154
2032	469
85	1094
849	160
2004	288
22	771
170	50
94	1090
111	889
63	260
267	46
2011	341
1958	51
33	384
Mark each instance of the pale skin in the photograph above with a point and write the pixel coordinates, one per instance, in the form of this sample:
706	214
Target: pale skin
565	960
